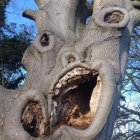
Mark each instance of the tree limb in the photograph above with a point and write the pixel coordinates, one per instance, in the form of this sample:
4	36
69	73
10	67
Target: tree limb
131	111
133	82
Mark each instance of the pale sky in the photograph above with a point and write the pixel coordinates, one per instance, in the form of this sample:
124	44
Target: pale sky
16	8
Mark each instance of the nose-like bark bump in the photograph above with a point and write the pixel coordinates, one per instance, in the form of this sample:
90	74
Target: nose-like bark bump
69	58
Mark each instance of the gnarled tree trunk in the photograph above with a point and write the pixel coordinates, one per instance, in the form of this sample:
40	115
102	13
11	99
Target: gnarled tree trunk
74	73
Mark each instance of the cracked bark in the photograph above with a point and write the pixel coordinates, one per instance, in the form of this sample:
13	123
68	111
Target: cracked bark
61	54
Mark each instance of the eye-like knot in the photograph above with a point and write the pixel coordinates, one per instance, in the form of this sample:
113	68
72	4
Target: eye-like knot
44	41
112	17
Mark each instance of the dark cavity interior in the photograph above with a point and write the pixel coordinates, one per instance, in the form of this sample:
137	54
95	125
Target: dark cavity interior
114	17
44	40
33	120
74	107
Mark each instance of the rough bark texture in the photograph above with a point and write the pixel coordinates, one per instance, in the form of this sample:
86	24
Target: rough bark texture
67	65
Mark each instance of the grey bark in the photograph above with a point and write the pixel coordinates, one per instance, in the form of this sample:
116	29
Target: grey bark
101	46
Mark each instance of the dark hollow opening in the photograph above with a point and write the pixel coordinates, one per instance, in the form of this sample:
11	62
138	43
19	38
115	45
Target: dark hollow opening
44	40
76	105
33	120
137	7
114	17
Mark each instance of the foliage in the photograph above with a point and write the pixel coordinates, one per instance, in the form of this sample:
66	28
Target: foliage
3	4
14	42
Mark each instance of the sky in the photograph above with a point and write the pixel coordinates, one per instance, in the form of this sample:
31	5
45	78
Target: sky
15	10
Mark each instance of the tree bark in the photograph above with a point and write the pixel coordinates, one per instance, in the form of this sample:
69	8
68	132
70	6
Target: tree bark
74	72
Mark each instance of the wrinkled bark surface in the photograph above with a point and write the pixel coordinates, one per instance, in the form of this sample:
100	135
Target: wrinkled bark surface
75	73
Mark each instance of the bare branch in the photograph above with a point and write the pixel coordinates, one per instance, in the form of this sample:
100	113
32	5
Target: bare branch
136	4
52	16
131	111
133	82
134	15
41	3
31	14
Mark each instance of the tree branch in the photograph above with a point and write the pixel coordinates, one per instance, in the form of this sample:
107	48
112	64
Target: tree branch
131	111
136	4
133	82
41	3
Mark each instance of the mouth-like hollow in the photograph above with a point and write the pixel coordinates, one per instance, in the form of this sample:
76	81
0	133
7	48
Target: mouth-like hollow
74	99
81	104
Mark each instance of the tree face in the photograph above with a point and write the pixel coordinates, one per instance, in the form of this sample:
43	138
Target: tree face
74	72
